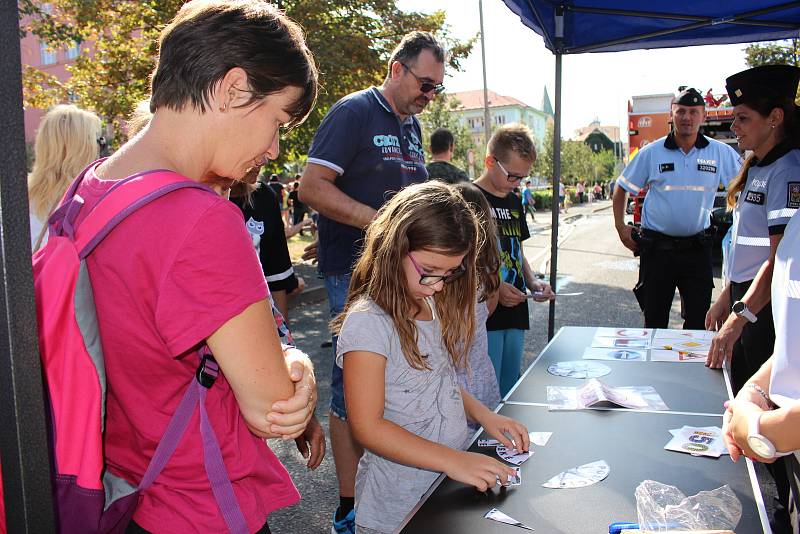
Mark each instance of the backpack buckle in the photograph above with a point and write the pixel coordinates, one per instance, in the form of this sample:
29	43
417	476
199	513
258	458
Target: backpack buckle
208	371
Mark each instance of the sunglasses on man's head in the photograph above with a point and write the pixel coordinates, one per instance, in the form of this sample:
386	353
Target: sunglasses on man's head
425	86
426	279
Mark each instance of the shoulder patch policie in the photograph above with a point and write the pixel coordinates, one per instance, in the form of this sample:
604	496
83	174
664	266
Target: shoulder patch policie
793	195
754	197
666	167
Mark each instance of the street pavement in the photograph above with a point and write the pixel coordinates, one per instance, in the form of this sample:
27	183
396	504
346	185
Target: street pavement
591	260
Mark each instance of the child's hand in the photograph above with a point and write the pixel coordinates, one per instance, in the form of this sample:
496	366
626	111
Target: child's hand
506	429
477	470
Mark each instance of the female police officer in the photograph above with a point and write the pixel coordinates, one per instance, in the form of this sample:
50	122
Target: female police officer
764	419
767	124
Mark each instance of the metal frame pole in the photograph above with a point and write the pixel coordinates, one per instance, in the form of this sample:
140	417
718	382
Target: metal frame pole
487	118
23	439
551	319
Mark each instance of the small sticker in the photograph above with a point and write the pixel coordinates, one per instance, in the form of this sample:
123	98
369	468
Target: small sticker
706	168
666	167
754	197
794	195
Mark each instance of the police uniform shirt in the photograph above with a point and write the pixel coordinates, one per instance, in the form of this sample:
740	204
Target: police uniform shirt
771	195
784	385
374	155
681	186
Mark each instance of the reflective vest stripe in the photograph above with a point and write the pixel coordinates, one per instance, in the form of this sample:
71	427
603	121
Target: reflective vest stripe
752	241
781	213
629	185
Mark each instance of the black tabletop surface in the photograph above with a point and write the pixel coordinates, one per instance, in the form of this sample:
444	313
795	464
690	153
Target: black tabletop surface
684	387
631	443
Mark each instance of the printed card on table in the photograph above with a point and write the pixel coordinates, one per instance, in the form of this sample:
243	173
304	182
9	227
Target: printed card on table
625	333
670	333
657	355
626	355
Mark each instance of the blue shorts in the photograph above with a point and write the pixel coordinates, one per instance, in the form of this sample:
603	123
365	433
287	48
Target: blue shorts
337	286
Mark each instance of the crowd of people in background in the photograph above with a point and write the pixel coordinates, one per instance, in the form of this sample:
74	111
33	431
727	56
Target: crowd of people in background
425	272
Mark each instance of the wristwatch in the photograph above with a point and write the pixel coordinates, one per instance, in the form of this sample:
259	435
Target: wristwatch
760	444
741	309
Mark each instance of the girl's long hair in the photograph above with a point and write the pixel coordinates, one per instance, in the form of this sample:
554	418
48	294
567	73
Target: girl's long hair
488	260
431	216
66	142
789	131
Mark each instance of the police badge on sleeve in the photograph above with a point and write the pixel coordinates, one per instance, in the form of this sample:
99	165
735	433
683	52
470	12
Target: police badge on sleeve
793	196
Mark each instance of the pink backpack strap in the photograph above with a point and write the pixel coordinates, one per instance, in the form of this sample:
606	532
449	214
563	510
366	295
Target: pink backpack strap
123	199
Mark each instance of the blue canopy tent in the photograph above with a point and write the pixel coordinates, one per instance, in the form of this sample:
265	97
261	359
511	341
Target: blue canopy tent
578	26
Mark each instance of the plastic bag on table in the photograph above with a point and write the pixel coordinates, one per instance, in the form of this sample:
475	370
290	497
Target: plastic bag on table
663	508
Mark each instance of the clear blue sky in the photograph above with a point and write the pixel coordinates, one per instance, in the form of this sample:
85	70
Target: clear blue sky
595	85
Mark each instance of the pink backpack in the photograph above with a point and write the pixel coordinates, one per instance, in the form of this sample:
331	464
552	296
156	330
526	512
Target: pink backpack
88	497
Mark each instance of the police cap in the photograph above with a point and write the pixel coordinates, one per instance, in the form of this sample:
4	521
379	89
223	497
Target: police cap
771	81
690	97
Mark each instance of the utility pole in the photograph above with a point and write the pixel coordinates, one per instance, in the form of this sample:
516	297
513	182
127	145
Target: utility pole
487	120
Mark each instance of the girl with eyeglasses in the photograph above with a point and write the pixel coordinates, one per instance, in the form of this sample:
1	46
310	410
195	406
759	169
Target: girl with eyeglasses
406	326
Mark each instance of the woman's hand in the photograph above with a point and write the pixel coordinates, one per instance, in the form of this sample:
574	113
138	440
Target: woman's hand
718	312
736	428
722	344
506	430
312	443
478	470
289	418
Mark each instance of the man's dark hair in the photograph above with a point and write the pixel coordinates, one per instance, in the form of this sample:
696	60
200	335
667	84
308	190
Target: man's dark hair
410	47
441	140
273	177
208	38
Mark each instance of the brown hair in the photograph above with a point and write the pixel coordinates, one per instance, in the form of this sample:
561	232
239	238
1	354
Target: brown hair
514	137
428	216
208	38
410	47
488	261
789	129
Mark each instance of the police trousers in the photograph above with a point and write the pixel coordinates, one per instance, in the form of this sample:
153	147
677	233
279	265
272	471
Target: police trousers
667	263
755	345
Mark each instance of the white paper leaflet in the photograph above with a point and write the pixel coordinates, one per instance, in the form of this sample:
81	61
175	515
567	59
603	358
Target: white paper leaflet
496	515
579	477
620	342
597	353
697	441
537	438
597	394
579	369
627	333
658	355
512	456
697	335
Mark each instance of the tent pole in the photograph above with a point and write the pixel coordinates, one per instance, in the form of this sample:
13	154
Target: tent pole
23	439
551	320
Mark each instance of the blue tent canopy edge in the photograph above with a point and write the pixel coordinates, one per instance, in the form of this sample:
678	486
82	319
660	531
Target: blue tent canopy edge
618	25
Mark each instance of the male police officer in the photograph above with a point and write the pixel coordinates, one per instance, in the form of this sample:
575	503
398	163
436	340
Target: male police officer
367	147
682	172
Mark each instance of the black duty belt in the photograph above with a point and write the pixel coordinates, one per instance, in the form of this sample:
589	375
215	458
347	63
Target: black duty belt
657	240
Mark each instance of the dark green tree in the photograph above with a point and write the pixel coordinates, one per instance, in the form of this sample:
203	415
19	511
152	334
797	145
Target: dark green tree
351	40
774	52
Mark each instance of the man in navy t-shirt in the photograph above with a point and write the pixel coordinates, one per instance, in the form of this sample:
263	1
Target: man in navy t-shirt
368	147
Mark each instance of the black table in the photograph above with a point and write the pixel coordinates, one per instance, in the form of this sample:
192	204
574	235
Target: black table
689	387
631	443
